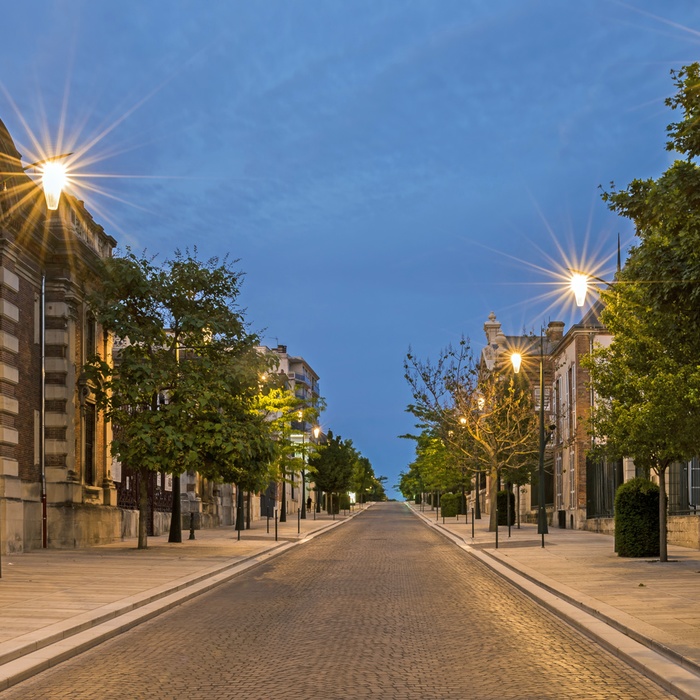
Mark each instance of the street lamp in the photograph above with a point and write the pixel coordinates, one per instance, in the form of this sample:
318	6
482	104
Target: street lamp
316	432
480	402
516	360
463	422
54	177
53	180
579	281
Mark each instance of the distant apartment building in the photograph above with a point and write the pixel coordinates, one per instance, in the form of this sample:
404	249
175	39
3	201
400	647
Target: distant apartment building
303	381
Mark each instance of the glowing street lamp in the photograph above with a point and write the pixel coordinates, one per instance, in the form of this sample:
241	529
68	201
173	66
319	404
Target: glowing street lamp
579	281
53	180
579	286
516	360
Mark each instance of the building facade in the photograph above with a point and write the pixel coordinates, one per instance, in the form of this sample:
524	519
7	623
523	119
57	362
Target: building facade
56	488
303	381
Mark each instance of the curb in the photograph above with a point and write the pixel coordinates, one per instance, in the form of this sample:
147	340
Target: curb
671	671
45	648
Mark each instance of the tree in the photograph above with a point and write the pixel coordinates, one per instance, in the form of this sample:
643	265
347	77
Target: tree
180	386
649	378
283	410
333	465
484	417
365	483
434	468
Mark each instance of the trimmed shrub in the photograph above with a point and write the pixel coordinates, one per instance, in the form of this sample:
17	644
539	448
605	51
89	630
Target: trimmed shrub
503	507
344	501
450	504
418	500
637	519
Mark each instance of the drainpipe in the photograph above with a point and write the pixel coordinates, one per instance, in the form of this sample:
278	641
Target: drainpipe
42	419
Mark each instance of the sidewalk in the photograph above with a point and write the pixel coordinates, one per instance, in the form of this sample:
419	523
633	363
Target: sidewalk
55	604
655	604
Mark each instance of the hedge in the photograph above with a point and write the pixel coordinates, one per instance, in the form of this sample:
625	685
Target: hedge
637	519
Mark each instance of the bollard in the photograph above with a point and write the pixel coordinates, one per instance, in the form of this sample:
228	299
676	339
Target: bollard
298	522
191	526
275	524
443	518
472	522
268	521
496	526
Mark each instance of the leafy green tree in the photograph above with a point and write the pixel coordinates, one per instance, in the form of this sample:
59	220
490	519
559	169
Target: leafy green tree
485	417
366	485
286	414
333	464
180	386
649	378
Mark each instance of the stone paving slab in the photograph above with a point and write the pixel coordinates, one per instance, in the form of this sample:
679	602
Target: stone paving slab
56	603
652	602
669	668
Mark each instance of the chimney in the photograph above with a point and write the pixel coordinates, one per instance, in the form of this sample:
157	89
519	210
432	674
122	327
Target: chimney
492	328
555	331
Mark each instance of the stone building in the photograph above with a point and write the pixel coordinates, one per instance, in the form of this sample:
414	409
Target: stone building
584	487
302	380
55	482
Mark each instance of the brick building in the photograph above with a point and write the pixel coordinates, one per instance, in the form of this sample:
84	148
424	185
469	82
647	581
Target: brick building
55	483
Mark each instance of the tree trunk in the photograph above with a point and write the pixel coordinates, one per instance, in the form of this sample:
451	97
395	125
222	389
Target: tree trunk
283	506
249	503
143	508
175	534
493	502
663	536
239	509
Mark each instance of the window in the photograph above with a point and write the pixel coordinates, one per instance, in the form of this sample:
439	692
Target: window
557	409
90	432
90	336
547	398
572	479
695	483
571	401
559	481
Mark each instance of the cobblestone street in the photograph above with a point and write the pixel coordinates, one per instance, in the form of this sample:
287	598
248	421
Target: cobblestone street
381	607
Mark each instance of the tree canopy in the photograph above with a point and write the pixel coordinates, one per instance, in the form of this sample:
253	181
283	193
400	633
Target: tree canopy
180	387
334	464
472	419
648	380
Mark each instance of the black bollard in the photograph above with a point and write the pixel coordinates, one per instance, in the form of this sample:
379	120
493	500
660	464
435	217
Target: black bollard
275	524
496	527
191	526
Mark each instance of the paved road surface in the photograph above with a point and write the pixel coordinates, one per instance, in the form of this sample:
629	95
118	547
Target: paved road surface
381	607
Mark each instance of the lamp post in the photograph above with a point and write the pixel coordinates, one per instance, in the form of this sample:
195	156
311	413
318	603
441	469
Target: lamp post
303	472
317	432
516	360
463	422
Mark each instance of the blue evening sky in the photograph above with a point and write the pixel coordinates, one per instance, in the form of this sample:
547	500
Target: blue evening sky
388	172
